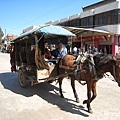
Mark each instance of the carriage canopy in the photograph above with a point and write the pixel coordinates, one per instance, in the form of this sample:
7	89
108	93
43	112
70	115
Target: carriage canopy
47	30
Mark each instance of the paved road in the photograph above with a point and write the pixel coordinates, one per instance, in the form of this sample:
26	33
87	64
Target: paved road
42	102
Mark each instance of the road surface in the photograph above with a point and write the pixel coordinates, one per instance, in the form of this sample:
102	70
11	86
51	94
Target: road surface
42	102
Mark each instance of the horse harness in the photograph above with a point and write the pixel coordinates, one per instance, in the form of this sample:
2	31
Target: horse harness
79	69
91	66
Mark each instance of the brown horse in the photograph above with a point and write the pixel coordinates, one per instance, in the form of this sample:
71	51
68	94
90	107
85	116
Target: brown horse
102	65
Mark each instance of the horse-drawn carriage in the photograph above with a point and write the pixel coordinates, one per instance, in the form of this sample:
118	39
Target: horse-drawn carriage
27	54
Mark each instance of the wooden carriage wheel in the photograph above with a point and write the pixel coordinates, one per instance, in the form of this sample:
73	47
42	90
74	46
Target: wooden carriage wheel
22	79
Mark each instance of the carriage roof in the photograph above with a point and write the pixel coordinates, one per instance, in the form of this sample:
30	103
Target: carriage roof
46	30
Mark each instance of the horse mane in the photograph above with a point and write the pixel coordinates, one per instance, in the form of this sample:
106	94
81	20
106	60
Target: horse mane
101	60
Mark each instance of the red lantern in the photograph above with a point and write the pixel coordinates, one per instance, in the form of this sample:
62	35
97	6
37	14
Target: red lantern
108	36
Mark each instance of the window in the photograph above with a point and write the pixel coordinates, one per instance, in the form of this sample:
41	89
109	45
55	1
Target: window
87	22
96	20
107	18
118	16
114	17
104	22
77	22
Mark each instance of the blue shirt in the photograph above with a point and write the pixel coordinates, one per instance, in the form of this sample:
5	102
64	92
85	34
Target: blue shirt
57	53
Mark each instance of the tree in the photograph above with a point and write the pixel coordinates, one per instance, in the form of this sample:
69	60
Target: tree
1	35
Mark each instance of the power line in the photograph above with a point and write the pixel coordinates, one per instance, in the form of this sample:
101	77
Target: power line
55	9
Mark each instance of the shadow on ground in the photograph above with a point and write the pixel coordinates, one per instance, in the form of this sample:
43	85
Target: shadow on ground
44	90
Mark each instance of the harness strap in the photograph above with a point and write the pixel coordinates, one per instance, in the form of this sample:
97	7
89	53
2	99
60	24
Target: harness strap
76	72
78	60
92	67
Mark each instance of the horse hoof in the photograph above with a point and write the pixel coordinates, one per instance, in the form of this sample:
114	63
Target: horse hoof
62	96
90	111
77	100
85	101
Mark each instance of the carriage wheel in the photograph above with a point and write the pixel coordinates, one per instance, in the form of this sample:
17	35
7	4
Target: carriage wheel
22	79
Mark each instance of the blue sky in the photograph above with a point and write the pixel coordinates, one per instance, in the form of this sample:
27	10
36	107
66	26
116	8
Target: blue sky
15	15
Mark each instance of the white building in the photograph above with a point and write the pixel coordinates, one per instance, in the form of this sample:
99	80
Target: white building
104	15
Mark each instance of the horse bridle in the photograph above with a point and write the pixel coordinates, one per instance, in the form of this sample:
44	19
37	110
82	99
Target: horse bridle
113	67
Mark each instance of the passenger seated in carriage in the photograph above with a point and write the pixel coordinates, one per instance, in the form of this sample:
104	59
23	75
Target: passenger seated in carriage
60	51
47	51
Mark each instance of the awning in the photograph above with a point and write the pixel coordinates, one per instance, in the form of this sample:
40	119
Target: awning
75	30
86	31
48	30
94	32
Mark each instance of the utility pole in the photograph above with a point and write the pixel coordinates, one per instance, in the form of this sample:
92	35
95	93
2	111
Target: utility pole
5	32
5	40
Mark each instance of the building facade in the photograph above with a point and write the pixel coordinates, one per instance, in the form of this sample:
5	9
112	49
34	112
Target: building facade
104	15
